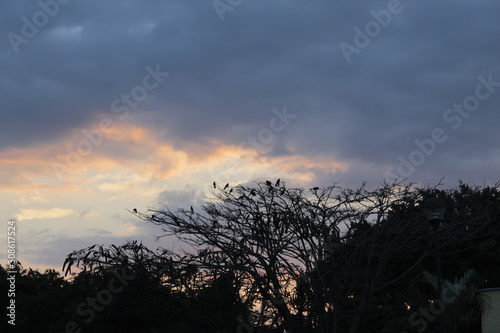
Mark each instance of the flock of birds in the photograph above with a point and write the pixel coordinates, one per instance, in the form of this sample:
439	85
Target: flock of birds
268	183
252	191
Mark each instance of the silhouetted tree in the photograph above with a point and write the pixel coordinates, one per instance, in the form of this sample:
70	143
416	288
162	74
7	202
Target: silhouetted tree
329	259
272	257
165	293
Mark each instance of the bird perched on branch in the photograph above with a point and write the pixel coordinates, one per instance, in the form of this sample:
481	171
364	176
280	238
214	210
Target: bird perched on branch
192	210
268	183
227	185
215	185
277	182
135	210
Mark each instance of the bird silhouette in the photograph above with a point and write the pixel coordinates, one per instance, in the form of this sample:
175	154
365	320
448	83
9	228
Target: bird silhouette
215	185
192	210
227	185
277	182
135	210
231	190
152	217
252	192
268	183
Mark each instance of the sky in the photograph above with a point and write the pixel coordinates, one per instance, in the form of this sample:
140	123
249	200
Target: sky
106	106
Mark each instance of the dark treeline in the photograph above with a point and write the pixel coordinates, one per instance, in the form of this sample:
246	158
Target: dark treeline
266	258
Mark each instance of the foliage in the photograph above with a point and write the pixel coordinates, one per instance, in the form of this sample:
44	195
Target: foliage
333	259
457	306
268	257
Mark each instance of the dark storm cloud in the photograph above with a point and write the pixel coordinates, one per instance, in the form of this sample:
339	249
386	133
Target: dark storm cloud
227	76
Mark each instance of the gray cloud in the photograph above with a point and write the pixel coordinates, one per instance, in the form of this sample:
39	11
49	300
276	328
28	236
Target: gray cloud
227	76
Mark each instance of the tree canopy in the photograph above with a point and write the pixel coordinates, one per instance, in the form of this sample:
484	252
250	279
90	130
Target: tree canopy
265	256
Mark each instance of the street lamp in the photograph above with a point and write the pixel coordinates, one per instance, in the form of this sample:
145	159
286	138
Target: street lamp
434	209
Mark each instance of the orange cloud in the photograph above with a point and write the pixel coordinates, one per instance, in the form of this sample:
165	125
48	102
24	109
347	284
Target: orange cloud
303	169
129	159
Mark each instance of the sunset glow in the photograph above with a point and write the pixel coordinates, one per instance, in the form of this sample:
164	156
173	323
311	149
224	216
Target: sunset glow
107	108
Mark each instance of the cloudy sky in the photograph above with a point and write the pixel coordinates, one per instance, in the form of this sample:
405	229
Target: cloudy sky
110	105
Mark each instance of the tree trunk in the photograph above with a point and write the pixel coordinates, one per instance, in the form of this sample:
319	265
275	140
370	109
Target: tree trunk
356	318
